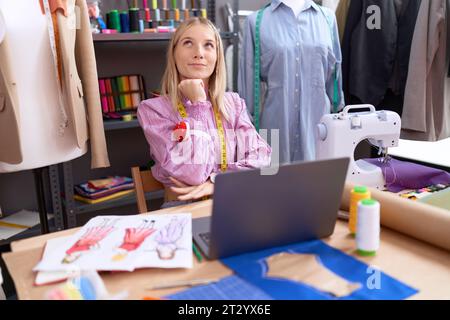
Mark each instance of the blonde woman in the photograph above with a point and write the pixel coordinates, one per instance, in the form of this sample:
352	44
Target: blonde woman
195	129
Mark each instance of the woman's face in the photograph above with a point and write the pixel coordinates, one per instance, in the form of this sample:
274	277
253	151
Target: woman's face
196	54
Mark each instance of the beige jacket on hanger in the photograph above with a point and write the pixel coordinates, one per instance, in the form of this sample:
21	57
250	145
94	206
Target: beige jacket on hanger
9	114
426	108
341	16
80	86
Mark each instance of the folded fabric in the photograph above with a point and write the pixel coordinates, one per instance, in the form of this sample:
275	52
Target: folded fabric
111	185
103	199
402	175
86	192
109	182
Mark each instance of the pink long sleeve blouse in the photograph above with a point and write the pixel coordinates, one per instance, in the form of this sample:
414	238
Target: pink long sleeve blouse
193	160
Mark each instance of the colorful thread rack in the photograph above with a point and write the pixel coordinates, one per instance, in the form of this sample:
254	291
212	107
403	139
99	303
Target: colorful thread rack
121	94
159	18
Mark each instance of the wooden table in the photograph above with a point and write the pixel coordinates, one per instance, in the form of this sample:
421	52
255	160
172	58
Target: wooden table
418	264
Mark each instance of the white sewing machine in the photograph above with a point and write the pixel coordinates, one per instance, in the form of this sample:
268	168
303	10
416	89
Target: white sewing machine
339	134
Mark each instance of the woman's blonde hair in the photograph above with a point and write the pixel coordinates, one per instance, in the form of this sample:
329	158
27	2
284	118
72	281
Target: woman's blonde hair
217	80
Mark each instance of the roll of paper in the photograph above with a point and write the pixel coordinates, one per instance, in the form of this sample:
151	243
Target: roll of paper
121	90
126	89
104	98
134	87
421	221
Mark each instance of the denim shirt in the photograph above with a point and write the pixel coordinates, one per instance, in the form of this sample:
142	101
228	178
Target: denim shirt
298	59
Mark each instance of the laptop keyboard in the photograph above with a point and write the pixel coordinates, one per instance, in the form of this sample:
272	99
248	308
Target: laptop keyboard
205	237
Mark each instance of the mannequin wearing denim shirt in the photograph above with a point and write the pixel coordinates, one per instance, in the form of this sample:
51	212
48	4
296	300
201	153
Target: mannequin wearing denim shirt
298	58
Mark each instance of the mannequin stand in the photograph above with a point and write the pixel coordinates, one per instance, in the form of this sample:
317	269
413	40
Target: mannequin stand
39	183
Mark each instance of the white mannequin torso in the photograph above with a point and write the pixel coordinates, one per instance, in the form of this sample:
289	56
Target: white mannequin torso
33	70
295	5
2	28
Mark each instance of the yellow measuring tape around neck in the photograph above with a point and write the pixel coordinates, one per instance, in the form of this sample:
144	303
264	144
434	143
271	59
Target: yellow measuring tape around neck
221	132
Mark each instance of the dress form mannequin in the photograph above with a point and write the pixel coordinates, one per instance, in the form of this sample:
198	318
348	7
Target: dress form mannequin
40	116
2	28
295	5
299	66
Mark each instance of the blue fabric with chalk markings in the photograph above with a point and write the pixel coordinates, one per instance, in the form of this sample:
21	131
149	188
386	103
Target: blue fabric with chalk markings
375	284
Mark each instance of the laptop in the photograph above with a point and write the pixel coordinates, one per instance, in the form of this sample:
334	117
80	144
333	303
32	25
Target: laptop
252	212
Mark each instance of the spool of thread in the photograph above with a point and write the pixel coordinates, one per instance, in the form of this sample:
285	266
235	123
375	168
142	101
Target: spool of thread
195	12
186	14
114	20
145	4
148	17
141	26
108	20
203	13
124	22
134	88
174	4
164	4
134	19
176	14
157	15
357	194
192	4
183	4
155	4
368	235
167	14
171	23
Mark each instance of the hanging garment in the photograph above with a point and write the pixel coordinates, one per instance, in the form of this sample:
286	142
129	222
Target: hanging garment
375	60
341	16
297	63
426	114
79	86
9	113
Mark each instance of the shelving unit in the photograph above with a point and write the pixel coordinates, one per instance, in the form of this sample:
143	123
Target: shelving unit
143	37
119	124
81	207
67	209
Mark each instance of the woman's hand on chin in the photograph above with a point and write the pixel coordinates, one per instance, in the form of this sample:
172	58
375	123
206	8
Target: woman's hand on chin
193	89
